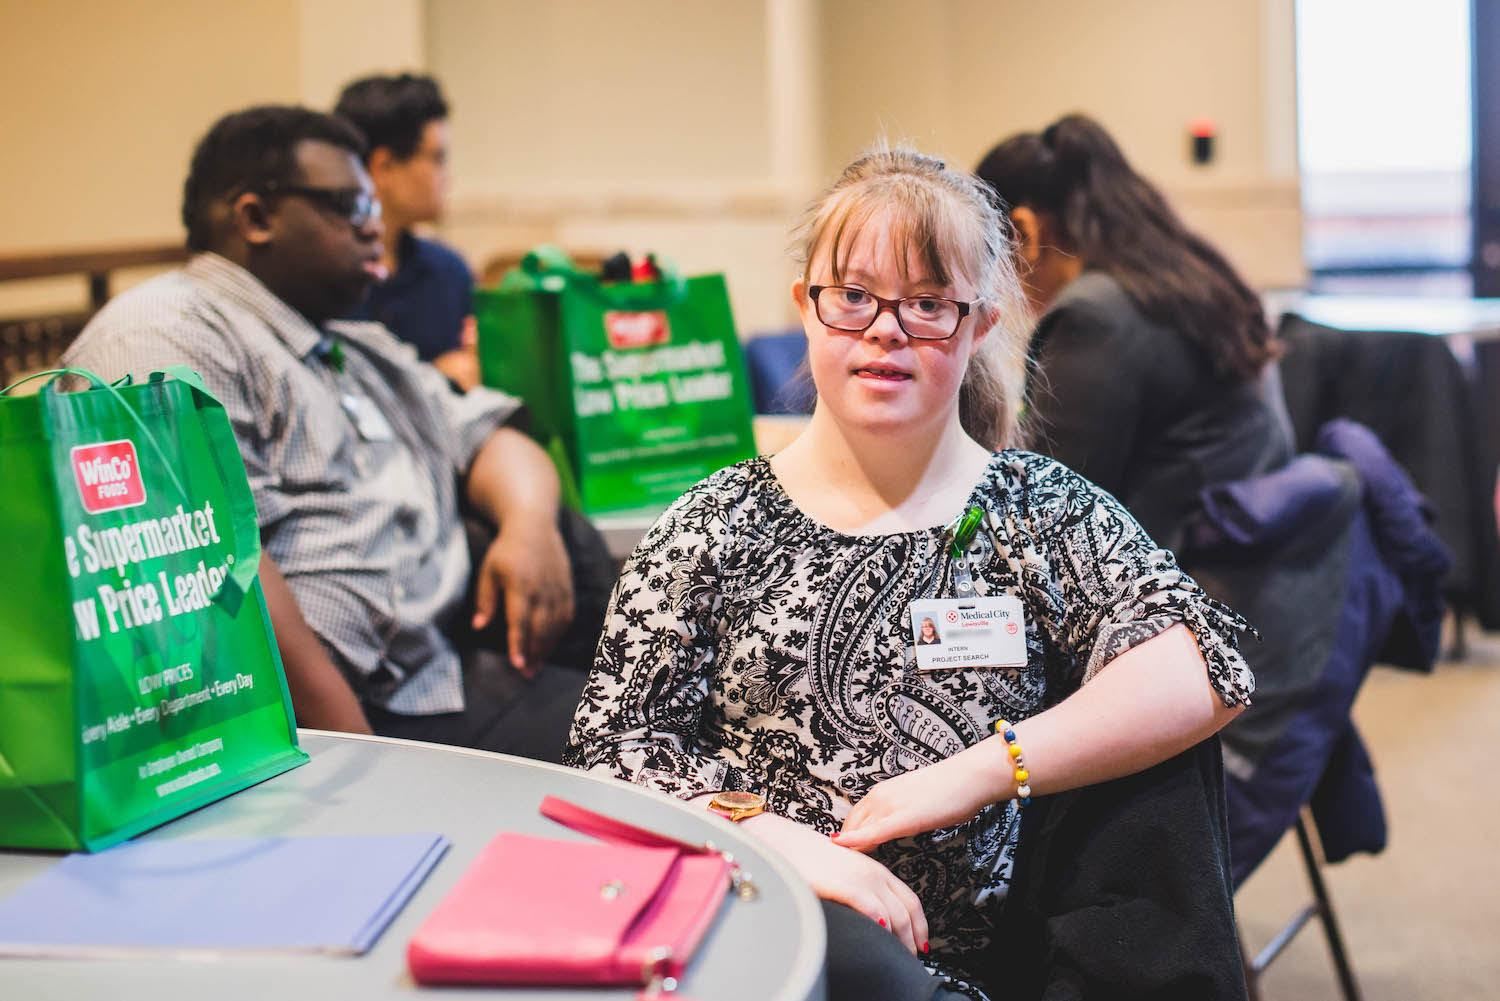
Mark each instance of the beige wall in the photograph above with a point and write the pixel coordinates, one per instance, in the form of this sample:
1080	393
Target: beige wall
956	76
339	40
653	125
104	101
562	97
703	135
973	71
696	130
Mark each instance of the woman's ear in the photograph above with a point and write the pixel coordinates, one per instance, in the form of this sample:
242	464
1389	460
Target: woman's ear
984	322
799	295
1028	226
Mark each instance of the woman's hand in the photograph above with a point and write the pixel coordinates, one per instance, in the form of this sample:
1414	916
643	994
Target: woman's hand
941	795
836	873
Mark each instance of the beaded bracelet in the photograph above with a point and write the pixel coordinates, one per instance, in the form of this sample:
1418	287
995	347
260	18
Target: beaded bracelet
1023	791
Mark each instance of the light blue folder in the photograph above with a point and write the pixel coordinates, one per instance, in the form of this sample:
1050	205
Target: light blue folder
303	894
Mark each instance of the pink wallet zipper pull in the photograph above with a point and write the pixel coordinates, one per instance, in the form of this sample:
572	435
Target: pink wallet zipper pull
741	883
658	975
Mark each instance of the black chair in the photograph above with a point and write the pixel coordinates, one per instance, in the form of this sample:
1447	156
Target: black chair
779	380
1321	907
1434	417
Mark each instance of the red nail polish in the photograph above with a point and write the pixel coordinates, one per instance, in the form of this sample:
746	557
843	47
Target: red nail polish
925	948
834	834
882	922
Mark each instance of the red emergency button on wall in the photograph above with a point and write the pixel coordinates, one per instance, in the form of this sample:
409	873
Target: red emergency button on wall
1202	132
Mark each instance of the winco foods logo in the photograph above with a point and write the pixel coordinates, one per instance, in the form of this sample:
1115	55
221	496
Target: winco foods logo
108	476
636	330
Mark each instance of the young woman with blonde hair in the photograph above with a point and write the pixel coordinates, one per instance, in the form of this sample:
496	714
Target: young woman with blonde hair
761	637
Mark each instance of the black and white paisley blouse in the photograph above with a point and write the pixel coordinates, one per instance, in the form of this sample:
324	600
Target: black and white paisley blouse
749	647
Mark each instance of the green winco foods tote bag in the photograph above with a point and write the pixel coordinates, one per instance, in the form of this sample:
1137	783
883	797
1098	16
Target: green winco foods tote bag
637	388
140	678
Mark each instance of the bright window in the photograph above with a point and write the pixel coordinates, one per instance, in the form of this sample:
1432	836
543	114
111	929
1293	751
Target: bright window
1383	93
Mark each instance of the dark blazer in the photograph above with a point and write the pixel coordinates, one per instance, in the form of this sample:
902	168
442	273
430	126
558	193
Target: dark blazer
1135	407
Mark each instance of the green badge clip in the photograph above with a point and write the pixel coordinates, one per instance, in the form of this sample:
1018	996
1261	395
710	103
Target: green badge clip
964	531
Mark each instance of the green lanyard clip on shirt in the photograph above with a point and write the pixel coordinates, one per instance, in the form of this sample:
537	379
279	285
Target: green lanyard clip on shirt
963	531
330	350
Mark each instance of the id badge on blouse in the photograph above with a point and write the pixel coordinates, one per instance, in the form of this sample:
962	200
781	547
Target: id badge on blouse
367	418
968	630
952	633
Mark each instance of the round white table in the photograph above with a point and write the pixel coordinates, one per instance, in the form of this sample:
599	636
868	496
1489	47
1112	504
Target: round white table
769	948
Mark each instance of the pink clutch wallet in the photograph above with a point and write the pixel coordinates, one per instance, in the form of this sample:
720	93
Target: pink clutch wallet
629	908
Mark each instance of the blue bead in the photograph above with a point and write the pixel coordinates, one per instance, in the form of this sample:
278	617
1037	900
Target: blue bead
1010	736
1026	801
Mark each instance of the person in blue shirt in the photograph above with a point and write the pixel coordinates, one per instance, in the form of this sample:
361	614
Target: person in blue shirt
426	295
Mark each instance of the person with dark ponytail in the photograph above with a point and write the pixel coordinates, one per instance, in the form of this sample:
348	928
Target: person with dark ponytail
1152	372
1151	366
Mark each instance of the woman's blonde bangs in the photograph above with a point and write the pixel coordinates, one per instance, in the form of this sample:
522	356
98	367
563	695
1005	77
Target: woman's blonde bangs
941	241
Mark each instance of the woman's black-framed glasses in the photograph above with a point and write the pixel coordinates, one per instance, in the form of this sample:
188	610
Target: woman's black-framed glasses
921	317
358	206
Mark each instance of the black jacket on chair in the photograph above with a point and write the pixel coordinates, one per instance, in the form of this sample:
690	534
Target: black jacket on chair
1411	390
1122	892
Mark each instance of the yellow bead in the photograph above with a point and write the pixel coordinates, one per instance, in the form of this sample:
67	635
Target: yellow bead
1001	726
1015	750
1022	775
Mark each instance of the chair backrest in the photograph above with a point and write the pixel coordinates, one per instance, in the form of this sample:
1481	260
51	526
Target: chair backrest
779	380
34	342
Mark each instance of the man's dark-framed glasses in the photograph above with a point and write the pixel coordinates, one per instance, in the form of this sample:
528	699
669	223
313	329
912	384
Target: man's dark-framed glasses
357	205
922	317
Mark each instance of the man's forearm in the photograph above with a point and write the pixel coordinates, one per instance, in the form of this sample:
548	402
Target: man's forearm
321	698
512	480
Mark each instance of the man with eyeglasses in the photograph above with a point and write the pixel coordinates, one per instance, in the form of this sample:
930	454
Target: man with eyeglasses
361	458
427	300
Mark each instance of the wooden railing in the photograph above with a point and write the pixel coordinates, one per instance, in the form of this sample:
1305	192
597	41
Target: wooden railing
28	343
